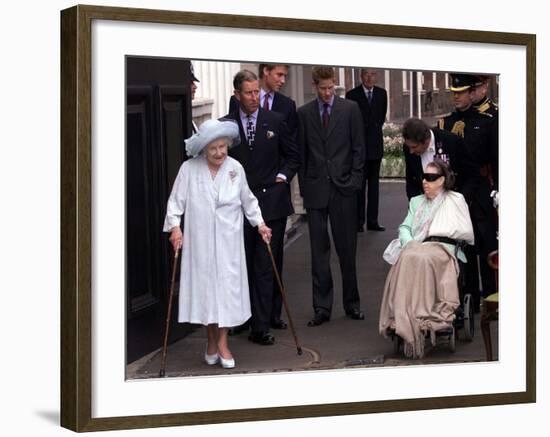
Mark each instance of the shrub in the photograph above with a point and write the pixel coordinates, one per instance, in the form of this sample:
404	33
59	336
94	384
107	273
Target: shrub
393	141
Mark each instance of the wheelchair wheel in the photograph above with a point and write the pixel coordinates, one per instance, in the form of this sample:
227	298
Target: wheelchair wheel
469	322
397	341
452	341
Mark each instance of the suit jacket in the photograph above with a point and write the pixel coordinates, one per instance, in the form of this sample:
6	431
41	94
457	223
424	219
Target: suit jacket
274	151
334	155
374	116
281	104
449	148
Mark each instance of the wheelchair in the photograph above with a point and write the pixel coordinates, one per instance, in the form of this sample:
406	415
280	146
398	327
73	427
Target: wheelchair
464	315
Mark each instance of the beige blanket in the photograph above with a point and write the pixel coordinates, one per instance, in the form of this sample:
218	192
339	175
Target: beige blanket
420	295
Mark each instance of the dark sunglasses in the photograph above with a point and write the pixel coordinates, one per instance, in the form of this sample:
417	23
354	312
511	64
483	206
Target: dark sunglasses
431	177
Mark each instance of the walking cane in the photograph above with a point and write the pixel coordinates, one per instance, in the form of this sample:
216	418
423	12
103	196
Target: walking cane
284	298
169	313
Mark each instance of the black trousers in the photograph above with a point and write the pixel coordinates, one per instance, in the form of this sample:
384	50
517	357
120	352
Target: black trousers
265	297
370	191
484	222
342	213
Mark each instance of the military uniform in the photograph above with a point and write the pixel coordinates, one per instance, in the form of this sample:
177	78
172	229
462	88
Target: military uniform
480	133
487	106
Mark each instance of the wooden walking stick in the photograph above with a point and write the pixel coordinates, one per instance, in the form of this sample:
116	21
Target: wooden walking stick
169	313
298	347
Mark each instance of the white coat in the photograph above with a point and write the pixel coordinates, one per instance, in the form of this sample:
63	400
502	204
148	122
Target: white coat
213	283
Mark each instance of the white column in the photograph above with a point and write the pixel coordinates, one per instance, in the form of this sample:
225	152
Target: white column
387	87
410	93
419	87
216	83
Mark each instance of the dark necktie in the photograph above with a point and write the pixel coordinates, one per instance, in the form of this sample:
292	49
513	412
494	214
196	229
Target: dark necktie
250	132
325	115
369	96
266	102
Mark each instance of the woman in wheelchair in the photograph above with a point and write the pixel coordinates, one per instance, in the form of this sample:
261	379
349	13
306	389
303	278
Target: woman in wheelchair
421	290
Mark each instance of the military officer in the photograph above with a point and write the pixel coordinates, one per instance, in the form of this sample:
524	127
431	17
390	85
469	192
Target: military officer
480	133
481	102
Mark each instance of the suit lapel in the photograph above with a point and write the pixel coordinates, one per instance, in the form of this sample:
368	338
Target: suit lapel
316	116
276	105
363	101
260	128
417	162
242	152
334	116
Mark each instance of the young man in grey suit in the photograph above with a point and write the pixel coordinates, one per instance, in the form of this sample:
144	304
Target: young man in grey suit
331	143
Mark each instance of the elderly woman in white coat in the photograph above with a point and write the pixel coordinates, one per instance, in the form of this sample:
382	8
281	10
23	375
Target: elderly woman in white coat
211	193
421	290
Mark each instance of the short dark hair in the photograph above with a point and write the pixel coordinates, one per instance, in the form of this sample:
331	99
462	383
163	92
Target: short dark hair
243	76
365	70
443	169
269	68
322	73
415	130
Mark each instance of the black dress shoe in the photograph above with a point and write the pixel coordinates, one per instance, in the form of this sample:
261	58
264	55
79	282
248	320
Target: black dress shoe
355	314
263	338
318	319
375	227
278	324
236	330
361	228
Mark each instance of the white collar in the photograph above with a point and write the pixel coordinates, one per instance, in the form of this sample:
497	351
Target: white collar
366	90
431	146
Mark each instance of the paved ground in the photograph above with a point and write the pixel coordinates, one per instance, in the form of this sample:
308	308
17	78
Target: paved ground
337	344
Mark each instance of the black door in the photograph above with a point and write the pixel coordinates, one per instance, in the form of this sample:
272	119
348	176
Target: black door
158	119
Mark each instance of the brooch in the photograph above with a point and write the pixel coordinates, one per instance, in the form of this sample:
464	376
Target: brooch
232	175
270	134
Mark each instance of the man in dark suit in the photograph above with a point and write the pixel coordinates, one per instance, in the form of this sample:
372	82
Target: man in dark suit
423	145
373	103
331	142
270	158
272	78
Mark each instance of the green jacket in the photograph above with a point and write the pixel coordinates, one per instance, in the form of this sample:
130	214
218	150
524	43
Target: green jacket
405	228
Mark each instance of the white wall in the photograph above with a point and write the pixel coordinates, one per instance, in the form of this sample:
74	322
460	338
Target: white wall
29	231
216	83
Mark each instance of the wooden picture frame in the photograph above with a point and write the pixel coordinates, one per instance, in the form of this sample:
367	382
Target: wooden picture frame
76	217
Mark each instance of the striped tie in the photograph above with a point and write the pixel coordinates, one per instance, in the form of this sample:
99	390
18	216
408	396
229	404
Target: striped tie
250	132
325	115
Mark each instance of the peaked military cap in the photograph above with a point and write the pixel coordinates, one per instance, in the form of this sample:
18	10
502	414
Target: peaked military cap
462	82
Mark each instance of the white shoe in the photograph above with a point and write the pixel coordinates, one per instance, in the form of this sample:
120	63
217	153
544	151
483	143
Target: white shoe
227	363
211	359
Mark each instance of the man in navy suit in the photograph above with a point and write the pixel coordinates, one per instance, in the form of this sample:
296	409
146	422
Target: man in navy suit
272	79
270	158
373	103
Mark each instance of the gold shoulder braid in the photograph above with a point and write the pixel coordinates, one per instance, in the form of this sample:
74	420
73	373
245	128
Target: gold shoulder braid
484	107
441	123
458	128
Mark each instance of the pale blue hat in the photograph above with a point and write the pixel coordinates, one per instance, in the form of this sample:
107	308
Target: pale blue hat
209	131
